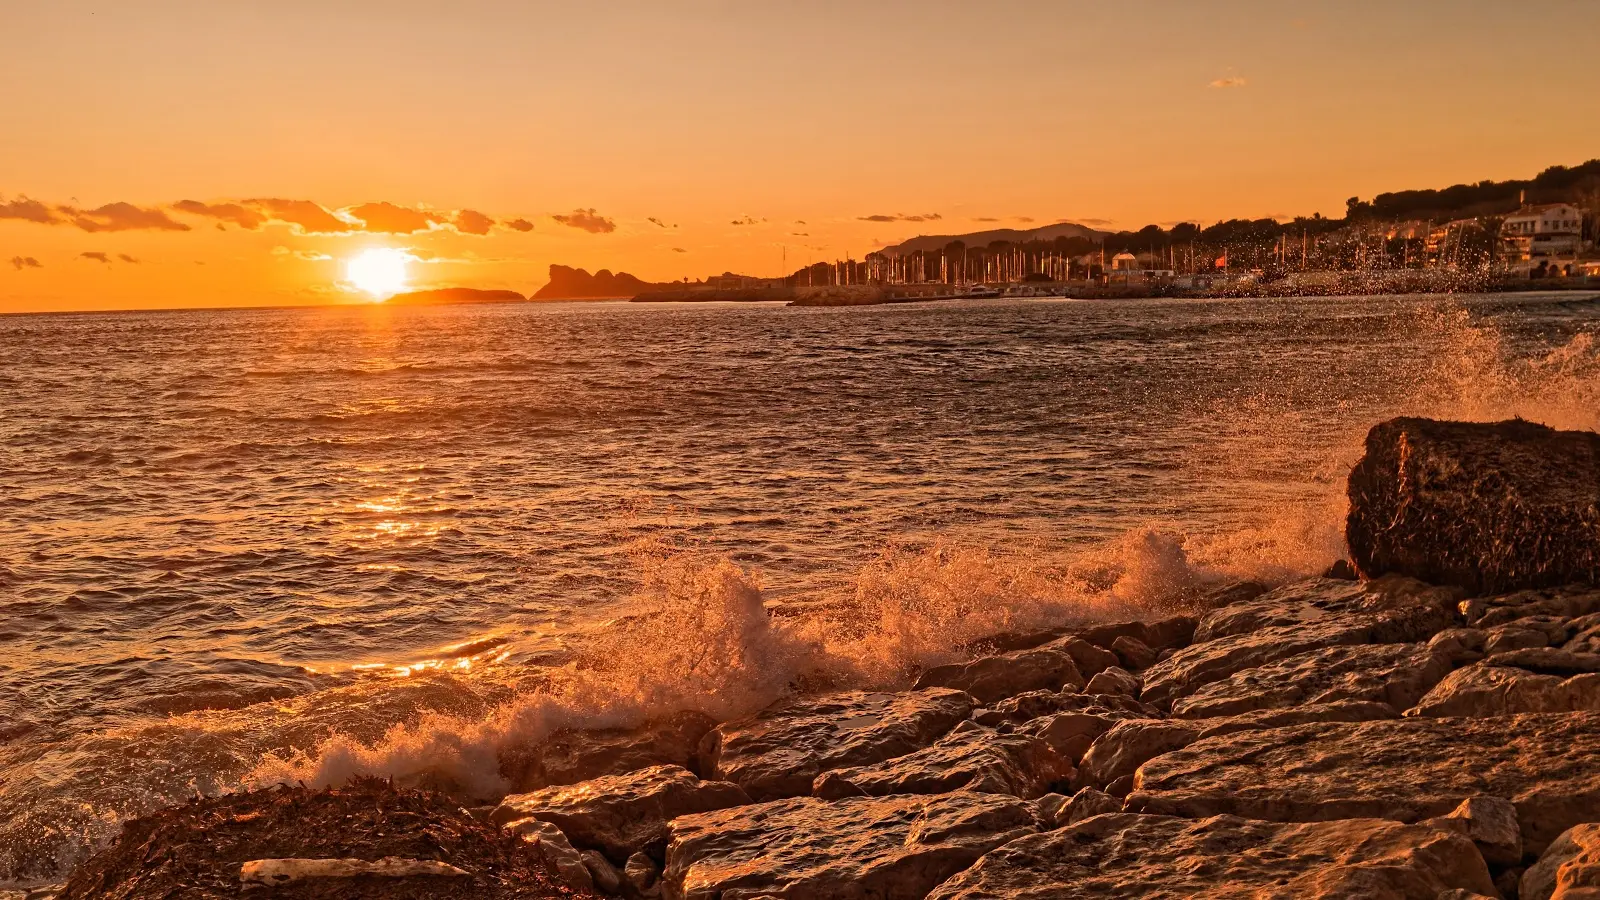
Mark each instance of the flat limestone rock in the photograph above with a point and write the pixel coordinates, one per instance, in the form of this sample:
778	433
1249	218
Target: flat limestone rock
285	871
865	848
1567	602
1396	674
1488	507
1568	870
1128	745
1549	660
1163	858
1315	600
571	756
780	751
1034	704
1494	690
1404	769
1297	619
971	758
622	814
991	678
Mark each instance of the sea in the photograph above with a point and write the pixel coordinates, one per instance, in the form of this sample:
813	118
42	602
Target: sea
246	546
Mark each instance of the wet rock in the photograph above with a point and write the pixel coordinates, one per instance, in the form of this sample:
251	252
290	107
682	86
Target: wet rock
605	875
1548	660
1091	659
1115	680
869	848
1170	634
1127	746
992	678
641	873
1299	619
569	756
780	751
1404	769
1491	824
1134	653
1492	690
1487	507
970	758
1341	570
1034	704
1122	855
1086	803
557	851
622	814
1396	674
1568	870
1227	595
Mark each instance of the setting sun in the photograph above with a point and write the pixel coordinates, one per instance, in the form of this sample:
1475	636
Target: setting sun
380	272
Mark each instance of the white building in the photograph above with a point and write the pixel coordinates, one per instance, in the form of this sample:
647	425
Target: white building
1547	237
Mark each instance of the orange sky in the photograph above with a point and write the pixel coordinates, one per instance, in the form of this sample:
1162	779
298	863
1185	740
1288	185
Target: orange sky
745	130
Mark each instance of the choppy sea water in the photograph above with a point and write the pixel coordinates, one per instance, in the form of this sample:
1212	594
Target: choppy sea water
250	544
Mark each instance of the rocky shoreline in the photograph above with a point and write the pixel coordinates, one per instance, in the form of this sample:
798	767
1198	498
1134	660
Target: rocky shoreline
1371	735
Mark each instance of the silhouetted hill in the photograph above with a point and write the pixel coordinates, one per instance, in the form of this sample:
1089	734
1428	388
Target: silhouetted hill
567	283
455	295
929	242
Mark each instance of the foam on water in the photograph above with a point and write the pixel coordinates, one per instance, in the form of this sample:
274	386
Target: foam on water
1253	488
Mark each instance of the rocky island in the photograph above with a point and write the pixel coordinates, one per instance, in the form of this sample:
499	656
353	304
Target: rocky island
1421	722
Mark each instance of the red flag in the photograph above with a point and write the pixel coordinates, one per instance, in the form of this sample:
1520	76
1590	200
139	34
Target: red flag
1222	261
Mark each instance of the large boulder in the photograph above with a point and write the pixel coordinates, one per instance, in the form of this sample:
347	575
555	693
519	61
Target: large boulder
571	756
1488	507
991	678
970	758
1494	690
621	815
1403	769
780	751
865	848
1568	870
1120	855
1299	618
1396	674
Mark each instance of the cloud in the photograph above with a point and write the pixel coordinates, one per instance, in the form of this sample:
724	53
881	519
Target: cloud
121	216
95	255
242	216
655	221
1232	81
799	234
1024	219
29	211
388	218
307	255
127	259
1097	223
303	215
587	220
26	262
747	220
679	250
470	221
518	225
900	217
985	219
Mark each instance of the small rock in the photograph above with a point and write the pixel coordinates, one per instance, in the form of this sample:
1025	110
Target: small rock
1491	823
641	872
1513	637
1341	570
1170	634
1134	653
557	852
1032	705
605	875
780	751
1051	804
1568	870
1127	746
969	758
622	814
992	678
1090	659
1085	804
1071	734
1460	645
568	757
1115	680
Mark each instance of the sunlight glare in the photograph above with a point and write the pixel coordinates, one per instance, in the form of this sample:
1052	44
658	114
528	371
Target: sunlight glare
380	271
